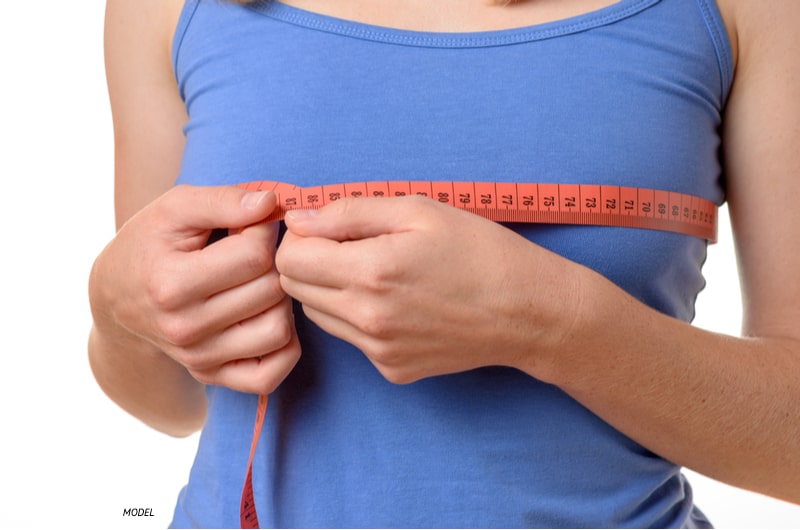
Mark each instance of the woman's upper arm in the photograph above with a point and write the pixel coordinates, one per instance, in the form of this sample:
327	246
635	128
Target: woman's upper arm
147	110
762	165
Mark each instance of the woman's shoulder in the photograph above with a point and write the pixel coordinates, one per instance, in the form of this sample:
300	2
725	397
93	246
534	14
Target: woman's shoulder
751	24
147	110
153	21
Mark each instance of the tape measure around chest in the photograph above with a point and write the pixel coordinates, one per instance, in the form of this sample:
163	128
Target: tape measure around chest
572	204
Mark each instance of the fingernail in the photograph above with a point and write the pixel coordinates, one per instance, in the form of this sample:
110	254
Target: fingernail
299	215
253	199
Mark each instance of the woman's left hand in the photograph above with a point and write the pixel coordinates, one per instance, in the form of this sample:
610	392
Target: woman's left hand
425	289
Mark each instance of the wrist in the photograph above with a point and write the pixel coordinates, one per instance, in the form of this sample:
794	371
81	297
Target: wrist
594	325
553	313
108	332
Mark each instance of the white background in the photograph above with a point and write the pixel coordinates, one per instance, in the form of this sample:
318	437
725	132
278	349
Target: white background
68	456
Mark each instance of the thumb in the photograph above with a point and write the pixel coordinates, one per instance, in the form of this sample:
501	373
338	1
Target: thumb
350	219
208	207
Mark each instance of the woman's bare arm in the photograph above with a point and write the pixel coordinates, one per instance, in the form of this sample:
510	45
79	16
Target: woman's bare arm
724	406
170	312
147	115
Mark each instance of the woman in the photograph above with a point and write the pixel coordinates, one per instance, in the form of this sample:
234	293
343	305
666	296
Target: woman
549	374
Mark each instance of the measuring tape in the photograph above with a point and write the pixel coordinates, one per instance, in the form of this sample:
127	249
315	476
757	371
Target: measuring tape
573	204
248	518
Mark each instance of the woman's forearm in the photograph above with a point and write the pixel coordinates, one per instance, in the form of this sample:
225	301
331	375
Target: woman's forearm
142	379
726	407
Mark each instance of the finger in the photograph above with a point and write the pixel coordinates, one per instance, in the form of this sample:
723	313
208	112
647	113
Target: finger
232	261
338	327
238	304
317	261
209	207
255	375
393	366
353	219
265	332
324	298
191	277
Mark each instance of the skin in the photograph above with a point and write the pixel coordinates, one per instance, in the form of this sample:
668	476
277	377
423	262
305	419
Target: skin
171	315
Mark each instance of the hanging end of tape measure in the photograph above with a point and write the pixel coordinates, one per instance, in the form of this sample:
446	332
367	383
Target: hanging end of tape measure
248	518
247	508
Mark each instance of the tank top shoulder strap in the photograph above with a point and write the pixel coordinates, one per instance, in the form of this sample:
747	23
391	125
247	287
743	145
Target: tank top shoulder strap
188	11
721	41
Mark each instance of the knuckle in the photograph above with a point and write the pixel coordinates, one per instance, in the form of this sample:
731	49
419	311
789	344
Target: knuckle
214	196
207	377
273	290
277	368
164	296
281	332
165	202
258	260
419	204
383	355
391	361
185	358
379	276
164	291
418	201
396	376
372	321
343	206
177	330
268	381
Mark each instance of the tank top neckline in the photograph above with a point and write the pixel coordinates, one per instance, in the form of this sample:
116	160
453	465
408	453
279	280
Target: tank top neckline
348	28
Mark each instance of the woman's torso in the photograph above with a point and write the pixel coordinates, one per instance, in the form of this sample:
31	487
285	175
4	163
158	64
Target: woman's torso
630	94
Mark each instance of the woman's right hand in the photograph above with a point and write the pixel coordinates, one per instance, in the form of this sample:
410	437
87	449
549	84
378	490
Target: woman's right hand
218	309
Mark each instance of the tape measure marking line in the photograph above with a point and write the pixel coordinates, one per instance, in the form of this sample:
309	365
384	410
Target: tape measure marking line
573	204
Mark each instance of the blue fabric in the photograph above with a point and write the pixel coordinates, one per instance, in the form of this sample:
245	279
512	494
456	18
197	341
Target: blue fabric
630	95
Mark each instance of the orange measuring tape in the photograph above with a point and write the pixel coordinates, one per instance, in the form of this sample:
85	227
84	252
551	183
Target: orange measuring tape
572	204
575	204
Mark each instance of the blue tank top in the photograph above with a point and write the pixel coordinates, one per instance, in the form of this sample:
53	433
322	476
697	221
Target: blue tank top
630	95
